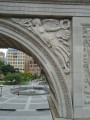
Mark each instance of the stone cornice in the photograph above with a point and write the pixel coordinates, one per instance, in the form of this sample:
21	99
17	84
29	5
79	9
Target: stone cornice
81	2
27	8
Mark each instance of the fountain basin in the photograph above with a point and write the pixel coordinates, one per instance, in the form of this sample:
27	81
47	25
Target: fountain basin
30	90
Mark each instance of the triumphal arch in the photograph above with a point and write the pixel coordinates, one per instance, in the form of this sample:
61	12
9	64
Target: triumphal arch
57	34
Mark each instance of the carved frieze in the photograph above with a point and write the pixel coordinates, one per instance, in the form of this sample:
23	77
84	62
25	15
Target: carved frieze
86	60
55	34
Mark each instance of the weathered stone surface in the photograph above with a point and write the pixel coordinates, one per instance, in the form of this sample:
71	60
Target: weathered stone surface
28	9
52	1
57	36
50	46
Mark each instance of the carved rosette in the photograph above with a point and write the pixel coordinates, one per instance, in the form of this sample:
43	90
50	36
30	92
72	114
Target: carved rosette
86	65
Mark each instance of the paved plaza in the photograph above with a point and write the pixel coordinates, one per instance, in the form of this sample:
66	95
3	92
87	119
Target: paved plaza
26	106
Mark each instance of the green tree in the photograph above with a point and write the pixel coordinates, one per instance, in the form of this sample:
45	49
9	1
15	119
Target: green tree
7	69
17	70
14	78
27	76
35	76
1	65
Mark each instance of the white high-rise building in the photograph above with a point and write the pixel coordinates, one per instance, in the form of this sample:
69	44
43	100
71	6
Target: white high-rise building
16	58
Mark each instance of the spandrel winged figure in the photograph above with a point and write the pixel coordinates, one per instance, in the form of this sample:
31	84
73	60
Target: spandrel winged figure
60	34
55	34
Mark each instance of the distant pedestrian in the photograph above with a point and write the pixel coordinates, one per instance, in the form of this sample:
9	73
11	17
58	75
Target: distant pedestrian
18	93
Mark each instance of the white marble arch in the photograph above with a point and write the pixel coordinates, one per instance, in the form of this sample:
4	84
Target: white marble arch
81	86
16	36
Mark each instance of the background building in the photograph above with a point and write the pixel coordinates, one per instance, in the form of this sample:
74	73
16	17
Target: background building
31	66
16	58
2	56
22	61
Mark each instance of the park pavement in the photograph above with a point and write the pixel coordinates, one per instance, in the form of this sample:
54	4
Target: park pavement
26	106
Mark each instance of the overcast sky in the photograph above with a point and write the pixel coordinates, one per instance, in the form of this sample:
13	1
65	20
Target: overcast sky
3	50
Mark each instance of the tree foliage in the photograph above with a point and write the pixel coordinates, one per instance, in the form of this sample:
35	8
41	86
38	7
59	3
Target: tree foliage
1	65
7	69
34	76
27	76
4	69
14	78
18	78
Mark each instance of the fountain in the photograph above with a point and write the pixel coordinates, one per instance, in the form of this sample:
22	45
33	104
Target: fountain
27	90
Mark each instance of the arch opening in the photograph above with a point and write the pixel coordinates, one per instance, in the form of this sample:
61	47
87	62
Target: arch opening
16	36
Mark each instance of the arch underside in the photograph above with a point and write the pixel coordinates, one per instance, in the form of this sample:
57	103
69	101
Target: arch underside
16	36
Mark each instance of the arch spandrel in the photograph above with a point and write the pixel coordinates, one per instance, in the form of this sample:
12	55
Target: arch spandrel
45	44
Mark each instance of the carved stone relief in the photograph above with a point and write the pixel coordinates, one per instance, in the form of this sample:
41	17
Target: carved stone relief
55	34
63	38
86	61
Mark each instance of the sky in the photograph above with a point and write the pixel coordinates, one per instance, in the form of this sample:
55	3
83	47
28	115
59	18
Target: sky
3	50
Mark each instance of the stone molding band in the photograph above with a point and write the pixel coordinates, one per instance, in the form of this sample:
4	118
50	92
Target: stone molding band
51	1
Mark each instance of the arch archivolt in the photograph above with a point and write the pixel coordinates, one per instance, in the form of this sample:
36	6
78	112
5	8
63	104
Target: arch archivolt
48	41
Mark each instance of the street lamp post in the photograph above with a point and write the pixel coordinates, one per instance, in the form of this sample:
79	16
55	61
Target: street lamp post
1	88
